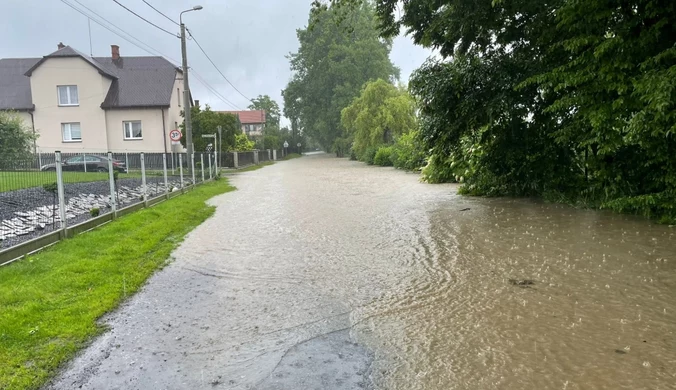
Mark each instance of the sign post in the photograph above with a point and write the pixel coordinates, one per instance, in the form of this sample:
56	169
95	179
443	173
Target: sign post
214	146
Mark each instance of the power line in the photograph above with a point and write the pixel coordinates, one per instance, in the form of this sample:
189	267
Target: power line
216	67
159	12
145	20
124	35
143	46
215	92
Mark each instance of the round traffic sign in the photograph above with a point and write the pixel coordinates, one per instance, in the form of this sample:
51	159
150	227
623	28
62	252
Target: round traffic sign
175	135
298	145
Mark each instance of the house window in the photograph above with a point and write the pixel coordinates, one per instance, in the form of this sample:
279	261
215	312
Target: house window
178	96
71	132
68	95
133	130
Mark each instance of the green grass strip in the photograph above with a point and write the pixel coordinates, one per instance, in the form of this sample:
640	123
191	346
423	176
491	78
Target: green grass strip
292	156
10	181
50	302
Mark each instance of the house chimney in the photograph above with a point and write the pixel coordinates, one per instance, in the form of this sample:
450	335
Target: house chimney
197	103
60	45
115	51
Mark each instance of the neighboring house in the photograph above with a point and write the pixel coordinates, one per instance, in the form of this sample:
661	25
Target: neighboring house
77	103
252	121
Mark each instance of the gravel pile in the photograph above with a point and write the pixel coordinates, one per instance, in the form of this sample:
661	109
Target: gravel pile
29	213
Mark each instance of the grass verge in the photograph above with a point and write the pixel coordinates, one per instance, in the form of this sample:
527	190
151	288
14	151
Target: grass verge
51	301
250	167
292	156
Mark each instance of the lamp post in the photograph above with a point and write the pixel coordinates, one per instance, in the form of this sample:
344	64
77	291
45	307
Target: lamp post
186	92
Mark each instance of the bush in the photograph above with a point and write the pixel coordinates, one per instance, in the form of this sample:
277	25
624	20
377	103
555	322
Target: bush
353	155
50	187
341	146
383	156
94	212
408	152
369	155
438	170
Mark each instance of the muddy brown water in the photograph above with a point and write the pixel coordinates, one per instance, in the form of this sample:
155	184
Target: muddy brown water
329	274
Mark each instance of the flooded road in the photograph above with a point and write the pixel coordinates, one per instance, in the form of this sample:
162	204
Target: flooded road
322	273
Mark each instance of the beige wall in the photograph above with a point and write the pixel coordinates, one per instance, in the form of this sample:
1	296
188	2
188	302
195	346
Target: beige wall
92	90
151	122
173	114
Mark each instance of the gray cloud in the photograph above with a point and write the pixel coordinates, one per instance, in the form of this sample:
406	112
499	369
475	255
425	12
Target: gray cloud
247	39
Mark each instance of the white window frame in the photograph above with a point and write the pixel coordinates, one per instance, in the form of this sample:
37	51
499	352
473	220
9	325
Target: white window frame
68	125
131	130
68	95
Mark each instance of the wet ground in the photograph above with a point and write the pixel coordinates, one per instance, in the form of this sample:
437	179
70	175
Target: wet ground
321	273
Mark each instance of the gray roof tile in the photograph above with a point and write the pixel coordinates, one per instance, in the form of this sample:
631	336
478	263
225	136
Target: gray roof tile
137	81
70	52
141	82
15	87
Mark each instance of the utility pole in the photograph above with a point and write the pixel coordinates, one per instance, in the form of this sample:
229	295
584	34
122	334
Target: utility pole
186	92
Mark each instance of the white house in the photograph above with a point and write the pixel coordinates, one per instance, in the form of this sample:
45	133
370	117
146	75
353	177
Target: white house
77	103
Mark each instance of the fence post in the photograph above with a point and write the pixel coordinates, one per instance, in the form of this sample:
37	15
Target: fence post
173	165
269	155
166	181
180	168
111	179
255	157
192	167
40	160
274	155
60	191
235	160
211	173
126	160
84	161
144	189
202	165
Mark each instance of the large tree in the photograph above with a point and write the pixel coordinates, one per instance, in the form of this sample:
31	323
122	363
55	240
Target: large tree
340	52
380	114
206	121
538	97
272	111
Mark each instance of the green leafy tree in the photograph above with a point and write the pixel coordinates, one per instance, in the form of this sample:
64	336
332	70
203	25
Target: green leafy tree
337	55
272	111
380	114
16	139
206	121
571	99
242	143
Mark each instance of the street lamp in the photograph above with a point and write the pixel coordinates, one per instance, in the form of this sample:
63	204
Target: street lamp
186	94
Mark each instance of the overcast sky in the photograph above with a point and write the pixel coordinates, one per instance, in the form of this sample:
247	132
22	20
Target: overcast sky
247	39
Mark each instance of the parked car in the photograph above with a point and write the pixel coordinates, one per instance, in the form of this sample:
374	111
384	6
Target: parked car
93	164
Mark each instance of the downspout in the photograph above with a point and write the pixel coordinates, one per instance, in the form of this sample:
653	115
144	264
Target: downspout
164	132
35	138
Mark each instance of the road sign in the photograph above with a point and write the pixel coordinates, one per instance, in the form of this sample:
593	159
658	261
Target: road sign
286	144
175	135
208	135
298	145
210	147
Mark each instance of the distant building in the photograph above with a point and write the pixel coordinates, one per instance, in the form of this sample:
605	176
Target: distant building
252	121
78	103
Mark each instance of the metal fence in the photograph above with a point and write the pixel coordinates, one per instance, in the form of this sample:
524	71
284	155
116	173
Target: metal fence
43	193
50	192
